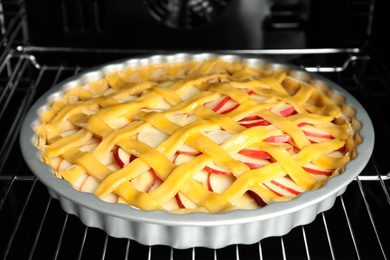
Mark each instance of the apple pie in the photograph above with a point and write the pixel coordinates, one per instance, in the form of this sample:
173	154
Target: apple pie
211	136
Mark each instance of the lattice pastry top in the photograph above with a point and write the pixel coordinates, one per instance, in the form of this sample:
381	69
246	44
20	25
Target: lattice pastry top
207	136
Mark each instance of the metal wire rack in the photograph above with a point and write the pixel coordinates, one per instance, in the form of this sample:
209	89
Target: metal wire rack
33	225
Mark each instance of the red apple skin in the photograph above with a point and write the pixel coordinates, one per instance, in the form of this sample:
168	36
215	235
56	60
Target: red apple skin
220	104
209	184
156	175
117	158
295	192
259	201
307	133
212	170
315	171
287	111
229	109
156	182
276	193
179	203
132	157
278	139
188	152
249	118
255	153
253	165
260	122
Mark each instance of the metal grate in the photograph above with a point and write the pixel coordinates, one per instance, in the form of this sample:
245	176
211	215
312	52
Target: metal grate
33	225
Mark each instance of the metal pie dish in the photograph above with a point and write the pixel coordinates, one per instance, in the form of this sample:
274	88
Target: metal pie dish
196	229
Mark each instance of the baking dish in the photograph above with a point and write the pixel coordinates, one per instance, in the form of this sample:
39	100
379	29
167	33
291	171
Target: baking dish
195	229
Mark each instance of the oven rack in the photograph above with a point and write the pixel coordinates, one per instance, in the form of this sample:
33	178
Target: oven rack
33	226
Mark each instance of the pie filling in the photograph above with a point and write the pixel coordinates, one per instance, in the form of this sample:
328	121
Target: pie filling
209	136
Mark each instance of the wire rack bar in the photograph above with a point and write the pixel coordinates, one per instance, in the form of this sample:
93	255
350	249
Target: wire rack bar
374	226
19	220
60	237
38	233
349	226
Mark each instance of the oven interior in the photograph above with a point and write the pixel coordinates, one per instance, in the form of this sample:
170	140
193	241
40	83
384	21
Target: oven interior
44	42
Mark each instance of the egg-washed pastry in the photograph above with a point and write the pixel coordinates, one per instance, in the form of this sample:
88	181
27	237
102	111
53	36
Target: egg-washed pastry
210	136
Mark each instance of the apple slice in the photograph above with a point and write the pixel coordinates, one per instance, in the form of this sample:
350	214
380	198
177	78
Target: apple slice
251	162
158	177
254	122
151	109
222	105
151	136
257	198
278	139
64	164
317	140
119	122
144	181
310	130
255	153
219	136
257	96
123	99
284	110
69	132
155	183
184	202
315	169
190	119
68	128
164	105
249	118
55	162
283	187
213	168
171	204
80	181
111	198
110	162
229	106
183	158
121	157
178	118
219	183
165	84
90	145
89	185
202	177
189	93
109	91
335	154
122	201
246	201
186	149
287	184
216	104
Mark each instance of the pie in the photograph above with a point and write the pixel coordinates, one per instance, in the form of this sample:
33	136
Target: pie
209	135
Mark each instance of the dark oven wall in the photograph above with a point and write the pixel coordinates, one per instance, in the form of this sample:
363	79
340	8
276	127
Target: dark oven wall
195	24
